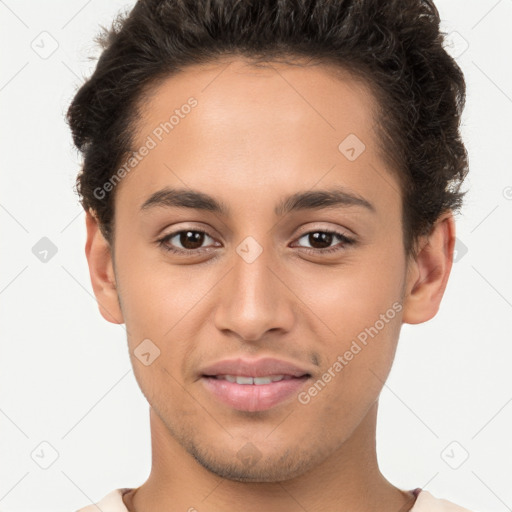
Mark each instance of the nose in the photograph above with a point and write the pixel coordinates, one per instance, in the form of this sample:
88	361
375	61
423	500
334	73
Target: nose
254	298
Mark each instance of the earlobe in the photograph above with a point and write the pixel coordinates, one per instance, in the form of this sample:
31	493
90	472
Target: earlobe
101	271
428	273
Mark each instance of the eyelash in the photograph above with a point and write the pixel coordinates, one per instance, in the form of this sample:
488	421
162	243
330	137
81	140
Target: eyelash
189	252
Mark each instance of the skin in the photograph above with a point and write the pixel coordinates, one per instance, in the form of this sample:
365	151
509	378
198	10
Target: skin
256	136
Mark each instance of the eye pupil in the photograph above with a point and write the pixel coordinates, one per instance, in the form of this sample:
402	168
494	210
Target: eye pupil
322	237
196	238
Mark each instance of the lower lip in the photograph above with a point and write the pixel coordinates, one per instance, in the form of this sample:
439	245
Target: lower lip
253	397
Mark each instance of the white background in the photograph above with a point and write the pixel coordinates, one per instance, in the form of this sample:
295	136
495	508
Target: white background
65	374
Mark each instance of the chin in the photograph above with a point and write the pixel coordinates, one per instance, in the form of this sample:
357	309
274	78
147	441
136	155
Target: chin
248	465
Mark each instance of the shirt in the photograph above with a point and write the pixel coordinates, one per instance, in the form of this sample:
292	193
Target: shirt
425	502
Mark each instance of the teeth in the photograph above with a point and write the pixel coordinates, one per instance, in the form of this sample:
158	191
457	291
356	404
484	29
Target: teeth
266	380
253	380
243	380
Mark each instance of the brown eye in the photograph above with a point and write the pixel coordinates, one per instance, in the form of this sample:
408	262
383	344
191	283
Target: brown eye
320	241
184	241
191	239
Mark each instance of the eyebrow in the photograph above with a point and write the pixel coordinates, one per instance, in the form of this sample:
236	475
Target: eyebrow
308	200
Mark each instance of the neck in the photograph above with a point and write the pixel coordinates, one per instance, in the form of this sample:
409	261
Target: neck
347	480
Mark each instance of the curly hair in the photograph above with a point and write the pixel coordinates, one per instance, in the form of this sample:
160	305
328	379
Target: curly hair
396	47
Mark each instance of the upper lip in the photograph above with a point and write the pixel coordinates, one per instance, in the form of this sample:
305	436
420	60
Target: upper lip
254	368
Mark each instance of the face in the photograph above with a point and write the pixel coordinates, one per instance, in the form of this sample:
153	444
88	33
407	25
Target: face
248	271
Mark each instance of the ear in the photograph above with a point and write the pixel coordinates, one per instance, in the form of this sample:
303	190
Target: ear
101	270
428	273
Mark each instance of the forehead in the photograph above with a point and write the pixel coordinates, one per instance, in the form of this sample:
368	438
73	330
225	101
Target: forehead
232	93
258	128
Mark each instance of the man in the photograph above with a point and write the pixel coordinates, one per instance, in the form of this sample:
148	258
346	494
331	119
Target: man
270	189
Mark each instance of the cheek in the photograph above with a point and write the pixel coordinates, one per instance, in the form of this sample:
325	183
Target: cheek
358	308
164	304
352	296
157	295
355	364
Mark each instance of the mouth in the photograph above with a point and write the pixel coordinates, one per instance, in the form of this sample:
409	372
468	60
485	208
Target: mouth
253	384
247	393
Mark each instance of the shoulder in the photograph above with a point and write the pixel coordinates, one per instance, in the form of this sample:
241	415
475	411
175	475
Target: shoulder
112	502
426	502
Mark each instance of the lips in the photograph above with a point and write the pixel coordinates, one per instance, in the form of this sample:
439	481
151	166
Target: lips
263	367
253	385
